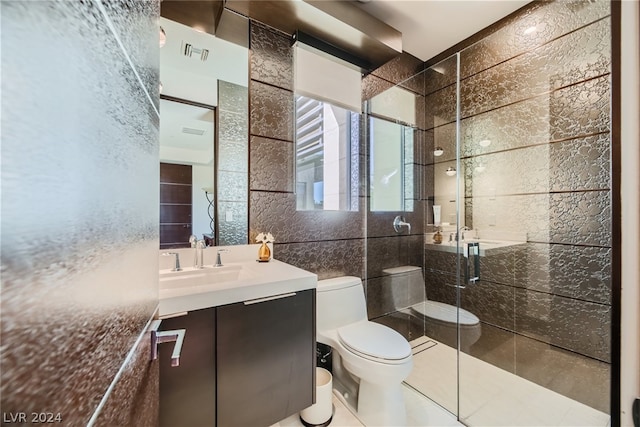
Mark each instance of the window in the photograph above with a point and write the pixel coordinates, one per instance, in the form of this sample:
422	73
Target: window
391	166
326	147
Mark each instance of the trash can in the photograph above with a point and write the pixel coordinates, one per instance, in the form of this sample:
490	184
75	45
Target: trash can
321	412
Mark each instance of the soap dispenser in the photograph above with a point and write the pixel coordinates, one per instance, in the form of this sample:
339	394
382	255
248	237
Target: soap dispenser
437	238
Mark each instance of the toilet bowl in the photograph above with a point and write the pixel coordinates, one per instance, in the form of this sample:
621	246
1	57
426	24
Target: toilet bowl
441	320
371	357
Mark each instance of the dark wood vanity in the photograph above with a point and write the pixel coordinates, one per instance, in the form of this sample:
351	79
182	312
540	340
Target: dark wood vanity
250	363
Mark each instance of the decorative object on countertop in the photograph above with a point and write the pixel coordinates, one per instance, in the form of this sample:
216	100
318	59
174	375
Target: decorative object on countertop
437	238
264	252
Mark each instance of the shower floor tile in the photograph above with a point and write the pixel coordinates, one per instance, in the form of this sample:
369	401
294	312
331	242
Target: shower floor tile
490	396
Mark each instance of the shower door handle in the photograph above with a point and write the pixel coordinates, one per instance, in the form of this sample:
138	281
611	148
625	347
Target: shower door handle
472	253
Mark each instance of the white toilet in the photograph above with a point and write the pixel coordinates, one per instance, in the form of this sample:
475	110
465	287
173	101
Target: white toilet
440	319
372	357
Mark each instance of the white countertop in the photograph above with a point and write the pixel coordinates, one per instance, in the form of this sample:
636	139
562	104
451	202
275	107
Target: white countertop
256	280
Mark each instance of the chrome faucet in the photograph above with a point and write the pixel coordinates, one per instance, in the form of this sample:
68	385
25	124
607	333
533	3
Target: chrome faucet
400	222
200	246
218	259
460	232
176	265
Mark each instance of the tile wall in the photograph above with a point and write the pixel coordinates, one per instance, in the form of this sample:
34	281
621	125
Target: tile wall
79	220
541	97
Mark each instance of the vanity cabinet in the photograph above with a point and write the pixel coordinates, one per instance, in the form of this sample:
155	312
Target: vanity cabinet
250	363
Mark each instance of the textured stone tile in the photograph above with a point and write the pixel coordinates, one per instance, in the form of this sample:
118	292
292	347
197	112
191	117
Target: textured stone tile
327	259
233	127
272	111
564	372
579	326
233	98
402	68
580	218
271	56
571	271
136	23
440	107
381	223
271	164
578	164
276	212
551	19
388	252
492	303
233	156
580	107
498	266
134	399
235	231
577	110
232	186
373	85
441	75
572	218
578	56
581	164
440	261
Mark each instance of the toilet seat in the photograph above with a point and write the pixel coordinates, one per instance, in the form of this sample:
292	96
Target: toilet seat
375	342
445	313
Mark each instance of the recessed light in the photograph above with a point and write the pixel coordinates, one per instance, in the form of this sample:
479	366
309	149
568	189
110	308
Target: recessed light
450	171
438	151
529	30
485	143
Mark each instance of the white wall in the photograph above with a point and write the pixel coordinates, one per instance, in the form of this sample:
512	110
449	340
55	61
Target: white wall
630	135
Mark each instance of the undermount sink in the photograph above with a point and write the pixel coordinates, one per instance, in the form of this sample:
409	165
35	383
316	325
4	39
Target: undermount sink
191	277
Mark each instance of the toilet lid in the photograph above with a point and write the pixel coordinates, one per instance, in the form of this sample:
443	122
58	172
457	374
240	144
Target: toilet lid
445	312
374	340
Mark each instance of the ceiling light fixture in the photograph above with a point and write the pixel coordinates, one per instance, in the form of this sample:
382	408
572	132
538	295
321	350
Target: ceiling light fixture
163	37
438	151
485	143
450	171
529	30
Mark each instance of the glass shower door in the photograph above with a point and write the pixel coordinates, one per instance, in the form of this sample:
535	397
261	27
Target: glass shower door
534	186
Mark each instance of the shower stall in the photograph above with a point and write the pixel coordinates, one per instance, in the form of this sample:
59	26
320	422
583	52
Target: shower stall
510	139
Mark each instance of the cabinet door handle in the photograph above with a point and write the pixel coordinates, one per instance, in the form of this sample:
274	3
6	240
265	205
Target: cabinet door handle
271	298
159	337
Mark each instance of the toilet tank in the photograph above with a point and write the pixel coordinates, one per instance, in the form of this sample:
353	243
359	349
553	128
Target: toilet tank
339	301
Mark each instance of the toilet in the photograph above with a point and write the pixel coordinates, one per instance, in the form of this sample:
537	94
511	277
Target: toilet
370	360
440	319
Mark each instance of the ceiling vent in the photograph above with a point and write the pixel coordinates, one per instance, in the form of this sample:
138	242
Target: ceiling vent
192	131
189	50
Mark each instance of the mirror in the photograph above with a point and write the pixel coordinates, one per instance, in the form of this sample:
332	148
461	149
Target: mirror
203	137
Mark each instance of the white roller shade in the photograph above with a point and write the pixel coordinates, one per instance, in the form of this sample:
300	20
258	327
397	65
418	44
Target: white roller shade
319	77
395	103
